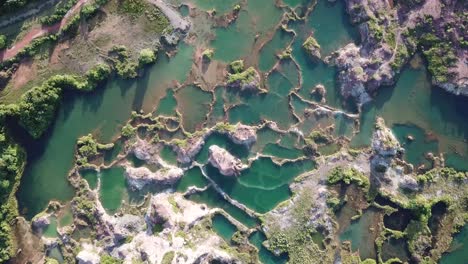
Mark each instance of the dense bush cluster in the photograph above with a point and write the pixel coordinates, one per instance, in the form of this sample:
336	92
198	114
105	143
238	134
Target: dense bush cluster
58	14
3	42
11	163
37	107
125	68
439	54
8	6
89	148
34	111
147	56
347	176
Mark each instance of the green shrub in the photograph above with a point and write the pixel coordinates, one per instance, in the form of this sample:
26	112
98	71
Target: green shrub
58	14
133	7
310	44
2	42
126	68
98	74
207	54
128	131
106	259
347	176
37	108
147	56
246	76
237	66
168	257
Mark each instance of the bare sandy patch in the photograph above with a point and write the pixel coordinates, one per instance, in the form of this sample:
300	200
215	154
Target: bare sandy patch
25	73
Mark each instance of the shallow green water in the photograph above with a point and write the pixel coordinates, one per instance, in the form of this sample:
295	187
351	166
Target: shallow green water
265	256
272	106
113	189
192	177
56	254
236	41
438	121
168	155
194	104
263	186
441	115
168	104
91	176
66	217
217	113
102	112
51	229
211	198
220	6
361	237
330	25
416	149
111	155
459	249
223	141
282	152
223	227
269	52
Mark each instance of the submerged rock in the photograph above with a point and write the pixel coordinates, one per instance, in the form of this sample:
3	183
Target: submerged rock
227	164
243	134
142	176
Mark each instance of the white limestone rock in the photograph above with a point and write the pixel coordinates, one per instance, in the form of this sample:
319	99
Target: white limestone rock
227	164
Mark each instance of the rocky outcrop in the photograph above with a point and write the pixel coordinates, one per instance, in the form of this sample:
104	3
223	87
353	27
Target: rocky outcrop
387	169
40	221
88	255
245	135
227	164
247	80
180	25
390	33
320	92
145	151
172	209
140	177
133	238
127	225
312	48
384	143
187	150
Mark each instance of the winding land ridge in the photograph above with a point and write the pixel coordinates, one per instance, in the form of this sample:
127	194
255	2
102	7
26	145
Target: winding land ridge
40	32
194	131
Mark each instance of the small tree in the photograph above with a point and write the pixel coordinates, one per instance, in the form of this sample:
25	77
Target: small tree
2	42
147	56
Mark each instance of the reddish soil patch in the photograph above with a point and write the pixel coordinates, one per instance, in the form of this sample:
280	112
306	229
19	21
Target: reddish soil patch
39	32
26	71
55	56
